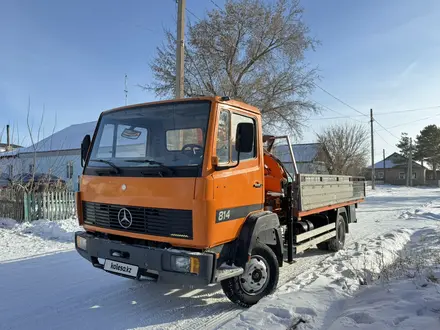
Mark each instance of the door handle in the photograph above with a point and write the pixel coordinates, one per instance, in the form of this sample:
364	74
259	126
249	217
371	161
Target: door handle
258	185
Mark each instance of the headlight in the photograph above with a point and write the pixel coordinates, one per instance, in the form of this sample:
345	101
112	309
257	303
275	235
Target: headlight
181	264
81	243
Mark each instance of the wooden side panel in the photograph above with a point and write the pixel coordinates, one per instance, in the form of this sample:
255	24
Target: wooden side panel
318	191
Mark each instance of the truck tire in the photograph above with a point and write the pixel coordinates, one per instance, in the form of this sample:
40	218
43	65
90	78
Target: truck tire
337	243
259	279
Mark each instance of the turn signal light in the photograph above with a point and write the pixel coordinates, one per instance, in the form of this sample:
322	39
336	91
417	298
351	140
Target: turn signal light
195	265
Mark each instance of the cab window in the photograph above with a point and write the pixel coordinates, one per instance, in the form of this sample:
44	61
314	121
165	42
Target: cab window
224	136
227	128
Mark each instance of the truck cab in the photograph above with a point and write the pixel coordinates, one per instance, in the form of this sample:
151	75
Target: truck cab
175	190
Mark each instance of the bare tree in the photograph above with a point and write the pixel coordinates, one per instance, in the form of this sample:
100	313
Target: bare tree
31	174
347	148
251	51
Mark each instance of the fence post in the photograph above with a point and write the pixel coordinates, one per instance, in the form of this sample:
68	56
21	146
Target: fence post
56	205
25	207
72	204
31	206
59	205
63	206
50	205
66	204
19	199
44	205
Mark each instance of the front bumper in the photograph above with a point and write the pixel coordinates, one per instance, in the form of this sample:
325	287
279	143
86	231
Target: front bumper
148	259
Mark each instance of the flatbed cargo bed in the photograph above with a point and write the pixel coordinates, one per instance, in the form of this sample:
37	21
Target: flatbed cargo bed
317	192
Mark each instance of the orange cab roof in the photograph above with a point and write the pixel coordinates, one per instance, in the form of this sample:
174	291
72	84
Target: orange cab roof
218	99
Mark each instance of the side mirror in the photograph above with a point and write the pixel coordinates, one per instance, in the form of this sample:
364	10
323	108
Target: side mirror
85	145
244	138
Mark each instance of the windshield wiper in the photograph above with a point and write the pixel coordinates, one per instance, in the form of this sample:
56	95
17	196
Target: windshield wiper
153	162
117	169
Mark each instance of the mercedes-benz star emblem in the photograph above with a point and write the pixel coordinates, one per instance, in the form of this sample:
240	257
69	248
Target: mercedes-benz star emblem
124	218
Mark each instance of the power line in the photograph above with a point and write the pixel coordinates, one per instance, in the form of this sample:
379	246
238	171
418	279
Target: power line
339	113
375	132
348	105
377	114
338	99
194	15
386	129
414	121
213	2
409	110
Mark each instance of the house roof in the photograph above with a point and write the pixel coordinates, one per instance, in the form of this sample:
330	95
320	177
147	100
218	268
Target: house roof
393	161
67	139
304	153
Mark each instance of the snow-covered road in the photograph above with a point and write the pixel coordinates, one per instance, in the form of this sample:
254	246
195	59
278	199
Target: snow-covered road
63	291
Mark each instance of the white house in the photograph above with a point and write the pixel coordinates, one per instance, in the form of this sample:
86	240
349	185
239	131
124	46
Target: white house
58	154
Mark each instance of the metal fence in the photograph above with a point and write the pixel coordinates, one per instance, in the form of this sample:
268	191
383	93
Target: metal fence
29	206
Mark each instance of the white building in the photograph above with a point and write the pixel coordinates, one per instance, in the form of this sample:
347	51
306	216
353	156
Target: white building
58	154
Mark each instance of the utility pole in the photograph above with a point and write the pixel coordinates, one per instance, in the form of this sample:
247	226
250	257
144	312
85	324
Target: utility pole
373	179
384	168
180	48
125	89
8	139
410	163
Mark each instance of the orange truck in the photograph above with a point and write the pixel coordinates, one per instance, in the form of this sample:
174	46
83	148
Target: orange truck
189	191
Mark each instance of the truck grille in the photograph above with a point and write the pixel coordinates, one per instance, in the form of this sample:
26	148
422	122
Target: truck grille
151	221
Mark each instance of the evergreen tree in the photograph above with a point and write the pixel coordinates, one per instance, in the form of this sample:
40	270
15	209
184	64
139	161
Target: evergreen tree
428	146
404	150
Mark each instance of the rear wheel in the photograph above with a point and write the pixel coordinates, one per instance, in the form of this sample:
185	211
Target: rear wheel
336	243
260	278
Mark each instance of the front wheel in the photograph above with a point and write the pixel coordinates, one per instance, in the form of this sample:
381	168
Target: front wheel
259	279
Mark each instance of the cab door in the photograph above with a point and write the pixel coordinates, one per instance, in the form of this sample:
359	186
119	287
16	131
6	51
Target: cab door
238	191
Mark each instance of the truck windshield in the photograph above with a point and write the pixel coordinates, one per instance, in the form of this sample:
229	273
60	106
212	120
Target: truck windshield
153	140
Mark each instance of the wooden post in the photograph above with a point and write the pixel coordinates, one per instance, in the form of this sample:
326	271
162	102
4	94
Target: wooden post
373	178
44	206
50	205
180	46
25	207
57	205
410	169
64	205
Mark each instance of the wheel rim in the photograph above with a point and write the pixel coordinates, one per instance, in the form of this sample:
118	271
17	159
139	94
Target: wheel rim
256	276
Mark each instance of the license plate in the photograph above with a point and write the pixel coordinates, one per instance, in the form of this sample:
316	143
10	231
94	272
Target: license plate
121	268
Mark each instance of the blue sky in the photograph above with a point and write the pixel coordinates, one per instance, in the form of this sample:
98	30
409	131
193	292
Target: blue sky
71	58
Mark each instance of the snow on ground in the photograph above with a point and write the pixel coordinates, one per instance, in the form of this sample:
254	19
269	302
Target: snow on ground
408	298
309	296
63	291
30	239
315	299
